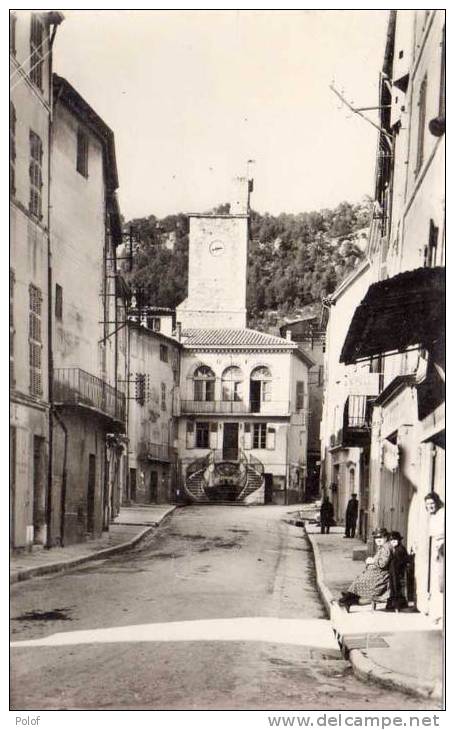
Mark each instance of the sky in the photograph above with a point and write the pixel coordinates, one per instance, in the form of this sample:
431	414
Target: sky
192	95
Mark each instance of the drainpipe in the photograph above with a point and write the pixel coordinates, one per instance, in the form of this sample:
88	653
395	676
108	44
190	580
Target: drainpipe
64	477
49	302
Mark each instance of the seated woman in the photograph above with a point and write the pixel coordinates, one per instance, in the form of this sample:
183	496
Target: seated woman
373	583
397	567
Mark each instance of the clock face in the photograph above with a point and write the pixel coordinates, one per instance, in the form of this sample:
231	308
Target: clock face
216	248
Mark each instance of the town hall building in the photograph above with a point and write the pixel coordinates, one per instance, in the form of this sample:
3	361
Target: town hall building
243	409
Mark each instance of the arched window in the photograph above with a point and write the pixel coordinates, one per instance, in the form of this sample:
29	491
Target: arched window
260	387
204	383
232	384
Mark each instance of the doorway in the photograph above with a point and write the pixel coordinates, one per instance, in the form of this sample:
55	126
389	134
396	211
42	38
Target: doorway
133	485
153	487
91	488
255	396
268	488
39	493
231	441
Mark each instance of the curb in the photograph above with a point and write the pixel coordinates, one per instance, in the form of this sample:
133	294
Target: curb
368	671
59	567
323	591
362	666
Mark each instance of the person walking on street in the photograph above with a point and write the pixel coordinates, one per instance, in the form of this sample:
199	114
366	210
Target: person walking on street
352	510
326	516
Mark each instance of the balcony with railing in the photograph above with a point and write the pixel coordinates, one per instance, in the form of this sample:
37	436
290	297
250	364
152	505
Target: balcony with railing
356	430
76	387
159	452
235	407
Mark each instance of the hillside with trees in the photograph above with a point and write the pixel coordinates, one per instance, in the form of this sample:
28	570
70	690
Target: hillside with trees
294	259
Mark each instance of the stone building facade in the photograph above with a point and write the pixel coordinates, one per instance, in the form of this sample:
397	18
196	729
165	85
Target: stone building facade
88	341
243	414
399	324
310	335
349	391
153	396
31	39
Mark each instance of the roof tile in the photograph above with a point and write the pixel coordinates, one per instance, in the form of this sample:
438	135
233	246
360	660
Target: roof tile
225	336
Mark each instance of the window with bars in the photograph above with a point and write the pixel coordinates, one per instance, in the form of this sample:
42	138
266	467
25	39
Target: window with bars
36	51
34	338
12	281
82	152
164	353
12	149
12	33
422	104
35	172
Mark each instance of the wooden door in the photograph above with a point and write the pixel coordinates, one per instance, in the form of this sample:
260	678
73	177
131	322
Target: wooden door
153	487
231	441
91	489
39	491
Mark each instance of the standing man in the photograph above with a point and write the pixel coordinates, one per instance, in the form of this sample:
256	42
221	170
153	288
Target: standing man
326	516
352	510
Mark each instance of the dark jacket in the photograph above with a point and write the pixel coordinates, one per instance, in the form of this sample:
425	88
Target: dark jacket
352	510
326	513
397	566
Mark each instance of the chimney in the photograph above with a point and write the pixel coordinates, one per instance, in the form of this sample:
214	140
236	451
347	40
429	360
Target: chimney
178	331
289	335
240	202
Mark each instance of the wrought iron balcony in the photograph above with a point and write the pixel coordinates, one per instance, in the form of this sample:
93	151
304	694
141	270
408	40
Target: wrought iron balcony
235	407
356	429
73	386
159	452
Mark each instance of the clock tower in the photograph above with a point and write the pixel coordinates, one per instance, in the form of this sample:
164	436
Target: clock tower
217	267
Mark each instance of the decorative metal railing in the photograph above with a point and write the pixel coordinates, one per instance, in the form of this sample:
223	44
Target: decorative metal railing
160	452
73	386
222	407
256	464
199	464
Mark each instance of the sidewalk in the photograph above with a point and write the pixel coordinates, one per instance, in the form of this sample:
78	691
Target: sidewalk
399	650
129	528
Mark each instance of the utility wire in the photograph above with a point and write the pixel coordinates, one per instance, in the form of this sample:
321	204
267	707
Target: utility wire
16	70
31	69
358	111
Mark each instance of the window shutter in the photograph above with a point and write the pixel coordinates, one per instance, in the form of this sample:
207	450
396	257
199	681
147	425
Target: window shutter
267	391
300	395
190	435
213	436
271	438
247	437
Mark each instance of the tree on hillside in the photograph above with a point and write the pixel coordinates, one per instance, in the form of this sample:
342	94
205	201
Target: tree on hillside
293	259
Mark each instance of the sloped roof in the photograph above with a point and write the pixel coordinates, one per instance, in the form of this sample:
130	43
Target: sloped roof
232	337
241	338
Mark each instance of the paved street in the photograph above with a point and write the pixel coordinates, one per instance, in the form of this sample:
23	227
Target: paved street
218	610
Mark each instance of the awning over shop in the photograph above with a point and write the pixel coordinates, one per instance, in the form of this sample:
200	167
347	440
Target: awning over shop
396	313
